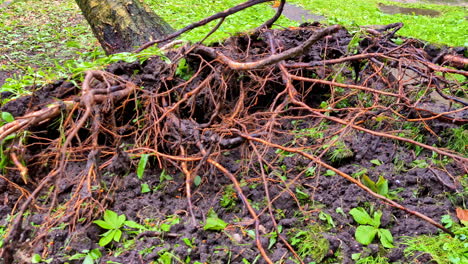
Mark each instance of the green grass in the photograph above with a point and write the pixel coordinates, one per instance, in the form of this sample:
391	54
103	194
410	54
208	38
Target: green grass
458	140
443	248
40	40
181	13
449	28
42	33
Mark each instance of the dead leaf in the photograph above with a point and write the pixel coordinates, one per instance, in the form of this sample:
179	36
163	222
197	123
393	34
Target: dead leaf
462	214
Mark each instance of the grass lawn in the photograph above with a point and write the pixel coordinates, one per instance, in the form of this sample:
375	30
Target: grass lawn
450	28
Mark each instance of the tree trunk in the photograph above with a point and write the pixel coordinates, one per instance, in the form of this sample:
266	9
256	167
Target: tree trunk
122	25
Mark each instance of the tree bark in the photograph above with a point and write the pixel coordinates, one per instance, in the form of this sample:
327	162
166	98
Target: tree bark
123	25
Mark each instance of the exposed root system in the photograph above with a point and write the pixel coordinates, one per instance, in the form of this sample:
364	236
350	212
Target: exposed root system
280	108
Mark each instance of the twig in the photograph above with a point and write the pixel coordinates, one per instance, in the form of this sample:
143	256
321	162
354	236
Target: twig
272	20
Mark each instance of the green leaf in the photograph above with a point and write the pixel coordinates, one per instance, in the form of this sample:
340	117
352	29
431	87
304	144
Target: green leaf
107	233
142	165
365	234
165	227
36	258
117	235
133	224
145	188
359	173
386	238
355	256
106	239
376	221
447	221
301	195
121	221
103	224
214	224
369	183
211	213
326	217
7	117
398	41
77	256
361	216
376	162
188	242
12	136
164	176
165	258
111	218
95	253
272	240
197	180
88	260
382	186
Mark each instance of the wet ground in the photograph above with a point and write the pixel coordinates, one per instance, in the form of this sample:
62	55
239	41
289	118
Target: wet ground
391	9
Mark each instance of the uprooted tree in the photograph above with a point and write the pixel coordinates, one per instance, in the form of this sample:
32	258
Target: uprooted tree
240	97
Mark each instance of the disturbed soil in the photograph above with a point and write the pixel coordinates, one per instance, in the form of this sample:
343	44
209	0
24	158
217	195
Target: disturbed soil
289	192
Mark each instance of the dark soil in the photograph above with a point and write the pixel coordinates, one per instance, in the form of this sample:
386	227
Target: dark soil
5	75
298	196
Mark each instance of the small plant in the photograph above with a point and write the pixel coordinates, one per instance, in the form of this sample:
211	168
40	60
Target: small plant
309	242
229	198
213	222
142	165
164	176
327	218
369	259
273	237
443	248
284	154
316	132
88	256
459	140
36	258
114	224
302	196
419	163
369	227
338	151
380	187
183	70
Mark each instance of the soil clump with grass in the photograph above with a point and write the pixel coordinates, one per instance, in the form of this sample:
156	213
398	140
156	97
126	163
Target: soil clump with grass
254	150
